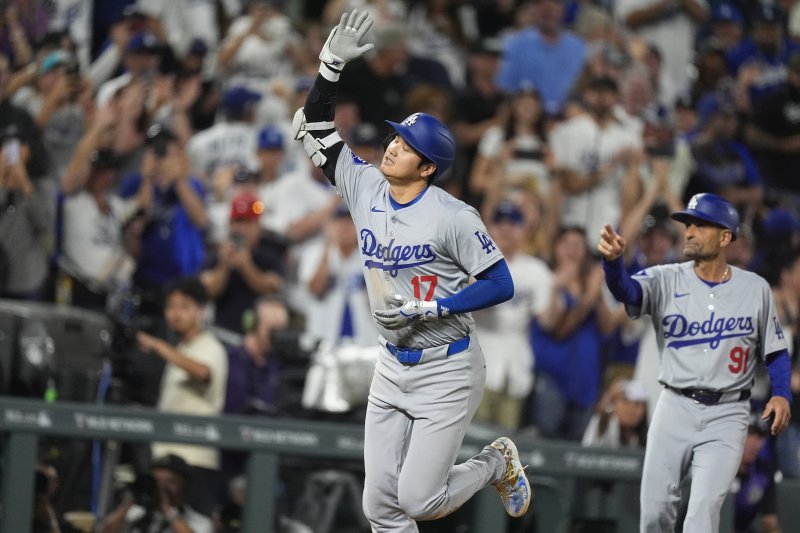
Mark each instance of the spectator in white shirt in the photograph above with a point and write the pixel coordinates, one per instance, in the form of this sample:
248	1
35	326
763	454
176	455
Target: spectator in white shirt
332	272
193	383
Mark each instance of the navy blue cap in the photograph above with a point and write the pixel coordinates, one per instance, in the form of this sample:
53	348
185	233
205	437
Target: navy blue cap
235	99
144	41
508	211
270	138
198	47
726	13
781	222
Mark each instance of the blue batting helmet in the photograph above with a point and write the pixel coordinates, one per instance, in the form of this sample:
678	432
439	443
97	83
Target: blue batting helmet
711	208
430	138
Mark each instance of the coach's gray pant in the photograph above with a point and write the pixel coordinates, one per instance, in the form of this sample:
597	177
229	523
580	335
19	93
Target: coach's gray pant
684	434
416	419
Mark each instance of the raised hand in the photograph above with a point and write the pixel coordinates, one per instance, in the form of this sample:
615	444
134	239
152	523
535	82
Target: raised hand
611	245
343	43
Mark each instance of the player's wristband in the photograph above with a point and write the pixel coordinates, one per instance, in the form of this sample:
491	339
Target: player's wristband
329	72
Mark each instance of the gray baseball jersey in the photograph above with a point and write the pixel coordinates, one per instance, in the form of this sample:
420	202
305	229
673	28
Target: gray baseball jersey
427	250
709	337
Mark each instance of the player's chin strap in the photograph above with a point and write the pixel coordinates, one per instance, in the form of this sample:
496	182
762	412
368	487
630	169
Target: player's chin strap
312	145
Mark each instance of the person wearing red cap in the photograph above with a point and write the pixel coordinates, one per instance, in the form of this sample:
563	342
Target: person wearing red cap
244	267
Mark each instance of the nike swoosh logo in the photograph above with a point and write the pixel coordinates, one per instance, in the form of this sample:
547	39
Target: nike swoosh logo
679	295
376	210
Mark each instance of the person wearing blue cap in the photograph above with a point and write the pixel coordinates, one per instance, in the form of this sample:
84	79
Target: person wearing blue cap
503	329
727	25
231	141
140	61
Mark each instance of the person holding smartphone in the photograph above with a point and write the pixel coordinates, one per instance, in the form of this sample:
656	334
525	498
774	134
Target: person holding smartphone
23	224
244	266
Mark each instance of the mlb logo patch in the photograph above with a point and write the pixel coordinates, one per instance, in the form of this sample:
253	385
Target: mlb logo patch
358	161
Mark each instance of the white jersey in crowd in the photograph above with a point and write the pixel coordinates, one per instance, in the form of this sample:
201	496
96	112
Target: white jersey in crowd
324	315
257	57
91	239
579	144
427	250
291	197
224	143
709	337
521	164
503	329
181	394
674	35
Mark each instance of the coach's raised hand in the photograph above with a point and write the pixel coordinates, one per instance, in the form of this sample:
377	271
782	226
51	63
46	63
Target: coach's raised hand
344	41
611	245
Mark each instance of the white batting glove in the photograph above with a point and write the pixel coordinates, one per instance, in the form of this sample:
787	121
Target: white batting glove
404	312
343	41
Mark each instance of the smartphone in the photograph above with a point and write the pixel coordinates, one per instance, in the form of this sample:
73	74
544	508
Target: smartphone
11	151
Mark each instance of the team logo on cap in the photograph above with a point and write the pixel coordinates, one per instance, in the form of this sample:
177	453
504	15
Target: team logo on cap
693	202
411	119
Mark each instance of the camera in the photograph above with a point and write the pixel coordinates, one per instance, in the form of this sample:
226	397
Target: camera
145	492
159	138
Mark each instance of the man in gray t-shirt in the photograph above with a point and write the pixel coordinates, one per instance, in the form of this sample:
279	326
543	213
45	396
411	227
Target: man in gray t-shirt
420	247
714	323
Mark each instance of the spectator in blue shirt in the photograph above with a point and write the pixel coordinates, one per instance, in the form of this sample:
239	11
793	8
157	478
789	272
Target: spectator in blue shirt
759	63
171	240
547	56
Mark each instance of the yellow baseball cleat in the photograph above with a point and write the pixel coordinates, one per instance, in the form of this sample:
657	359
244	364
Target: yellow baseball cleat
514	489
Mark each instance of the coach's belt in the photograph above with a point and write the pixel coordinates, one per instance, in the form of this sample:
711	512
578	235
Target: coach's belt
413	356
711	397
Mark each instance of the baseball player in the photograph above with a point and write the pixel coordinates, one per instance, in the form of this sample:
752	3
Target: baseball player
714	323
419	247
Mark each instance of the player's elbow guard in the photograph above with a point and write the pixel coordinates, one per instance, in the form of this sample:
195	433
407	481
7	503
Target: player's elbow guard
314	146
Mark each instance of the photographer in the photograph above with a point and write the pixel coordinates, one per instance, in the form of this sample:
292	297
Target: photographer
157	503
194	380
23	223
171	239
244	266
253	368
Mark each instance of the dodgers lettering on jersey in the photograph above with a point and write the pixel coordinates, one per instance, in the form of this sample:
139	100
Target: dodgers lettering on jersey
709	337
392	257
427	250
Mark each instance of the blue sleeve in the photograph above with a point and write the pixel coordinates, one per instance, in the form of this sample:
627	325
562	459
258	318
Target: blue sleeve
130	185
624	288
752	176
779	368
493	286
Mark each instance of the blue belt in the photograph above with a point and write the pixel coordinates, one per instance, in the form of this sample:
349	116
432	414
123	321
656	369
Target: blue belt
412	356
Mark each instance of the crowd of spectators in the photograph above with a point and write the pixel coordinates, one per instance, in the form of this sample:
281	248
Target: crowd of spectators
147	150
